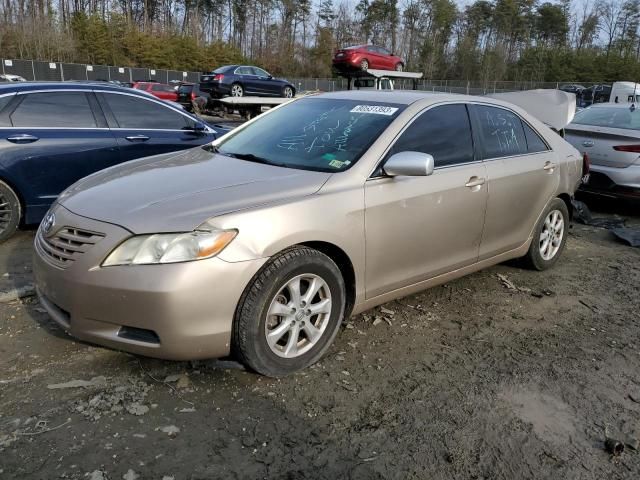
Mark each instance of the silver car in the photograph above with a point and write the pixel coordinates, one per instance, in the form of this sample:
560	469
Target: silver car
261	244
609	134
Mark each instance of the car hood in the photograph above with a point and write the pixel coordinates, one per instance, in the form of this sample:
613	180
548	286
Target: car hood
179	191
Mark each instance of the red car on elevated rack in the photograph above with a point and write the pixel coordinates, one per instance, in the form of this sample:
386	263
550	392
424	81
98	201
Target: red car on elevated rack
364	57
160	90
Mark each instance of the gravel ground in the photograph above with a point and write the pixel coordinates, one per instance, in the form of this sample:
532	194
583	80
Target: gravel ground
504	374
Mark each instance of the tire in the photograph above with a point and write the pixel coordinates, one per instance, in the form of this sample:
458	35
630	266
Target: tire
538	257
10	211
267	291
288	92
364	64
237	90
399	67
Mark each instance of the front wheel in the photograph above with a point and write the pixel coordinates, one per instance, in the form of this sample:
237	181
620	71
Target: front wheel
549	237
237	90
10	211
364	64
290	313
399	67
287	92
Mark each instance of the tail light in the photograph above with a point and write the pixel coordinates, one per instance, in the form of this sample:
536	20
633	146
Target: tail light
627	148
218	77
586	164
193	96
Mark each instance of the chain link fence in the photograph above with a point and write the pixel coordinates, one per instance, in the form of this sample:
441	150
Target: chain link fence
56	71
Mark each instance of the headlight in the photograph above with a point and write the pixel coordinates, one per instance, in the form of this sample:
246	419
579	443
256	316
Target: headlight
170	247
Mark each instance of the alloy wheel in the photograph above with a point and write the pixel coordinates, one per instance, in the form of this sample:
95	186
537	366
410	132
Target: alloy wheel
551	235
288	92
298	316
364	65
236	91
6	212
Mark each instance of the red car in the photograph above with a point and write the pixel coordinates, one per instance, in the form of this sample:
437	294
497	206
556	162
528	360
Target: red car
160	90
364	57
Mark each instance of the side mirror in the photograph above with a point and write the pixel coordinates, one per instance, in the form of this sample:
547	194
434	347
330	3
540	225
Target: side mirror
409	164
270	77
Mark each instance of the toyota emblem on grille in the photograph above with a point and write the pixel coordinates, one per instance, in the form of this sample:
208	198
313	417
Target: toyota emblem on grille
48	222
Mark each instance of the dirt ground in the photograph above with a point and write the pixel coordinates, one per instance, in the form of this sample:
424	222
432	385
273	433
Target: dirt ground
470	380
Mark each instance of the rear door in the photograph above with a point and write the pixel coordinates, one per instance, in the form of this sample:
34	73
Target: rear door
145	127
386	59
249	80
523	176
54	138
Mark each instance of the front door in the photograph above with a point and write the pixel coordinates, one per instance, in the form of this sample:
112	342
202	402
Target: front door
145	127
420	227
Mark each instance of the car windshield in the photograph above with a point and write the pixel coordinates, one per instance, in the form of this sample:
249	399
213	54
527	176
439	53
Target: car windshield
609	117
321	134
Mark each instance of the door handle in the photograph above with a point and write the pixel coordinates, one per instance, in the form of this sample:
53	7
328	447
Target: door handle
588	143
475	182
137	138
22	138
549	166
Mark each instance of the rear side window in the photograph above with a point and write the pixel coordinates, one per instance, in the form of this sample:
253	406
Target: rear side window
443	132
502	132
185	88
54	109
138	113
141	86
535	143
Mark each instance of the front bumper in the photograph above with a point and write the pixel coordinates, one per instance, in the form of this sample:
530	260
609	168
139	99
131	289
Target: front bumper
181	311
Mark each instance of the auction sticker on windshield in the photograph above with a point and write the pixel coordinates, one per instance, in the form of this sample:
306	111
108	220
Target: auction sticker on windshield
376	109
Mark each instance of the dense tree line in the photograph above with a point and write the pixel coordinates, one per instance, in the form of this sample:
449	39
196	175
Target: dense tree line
488	40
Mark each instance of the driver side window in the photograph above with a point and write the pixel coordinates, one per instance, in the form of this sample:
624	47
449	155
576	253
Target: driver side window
443	132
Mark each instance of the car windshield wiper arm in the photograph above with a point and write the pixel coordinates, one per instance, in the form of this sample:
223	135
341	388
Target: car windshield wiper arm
250	157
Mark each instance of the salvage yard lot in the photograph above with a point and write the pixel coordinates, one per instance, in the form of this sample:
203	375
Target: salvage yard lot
505	374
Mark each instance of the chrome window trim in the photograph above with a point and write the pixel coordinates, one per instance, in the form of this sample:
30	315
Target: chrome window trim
409	123
99	90
162	104
502	107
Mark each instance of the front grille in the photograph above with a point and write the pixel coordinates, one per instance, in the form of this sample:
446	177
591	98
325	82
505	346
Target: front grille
63	248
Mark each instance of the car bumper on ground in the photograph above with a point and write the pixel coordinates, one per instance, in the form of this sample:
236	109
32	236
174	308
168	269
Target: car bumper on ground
180	311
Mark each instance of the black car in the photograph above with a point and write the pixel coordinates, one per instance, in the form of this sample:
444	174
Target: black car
241	80
572	88
52	134
191	97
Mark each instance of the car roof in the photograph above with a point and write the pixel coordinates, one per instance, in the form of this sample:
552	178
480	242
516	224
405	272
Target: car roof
626	105
405	97
70	85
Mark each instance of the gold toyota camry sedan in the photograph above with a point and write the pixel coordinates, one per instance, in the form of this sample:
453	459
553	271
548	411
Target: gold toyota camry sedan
260	244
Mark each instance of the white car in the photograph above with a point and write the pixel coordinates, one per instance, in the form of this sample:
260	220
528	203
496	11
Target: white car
12	78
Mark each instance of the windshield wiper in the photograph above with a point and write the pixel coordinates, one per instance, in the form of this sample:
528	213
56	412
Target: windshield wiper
250	157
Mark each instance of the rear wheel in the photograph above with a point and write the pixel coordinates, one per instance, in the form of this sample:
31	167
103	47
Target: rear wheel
549	237
399	67
237	90
290	313
10	211
364	64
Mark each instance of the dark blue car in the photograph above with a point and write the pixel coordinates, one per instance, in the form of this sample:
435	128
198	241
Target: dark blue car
52	134
241	80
